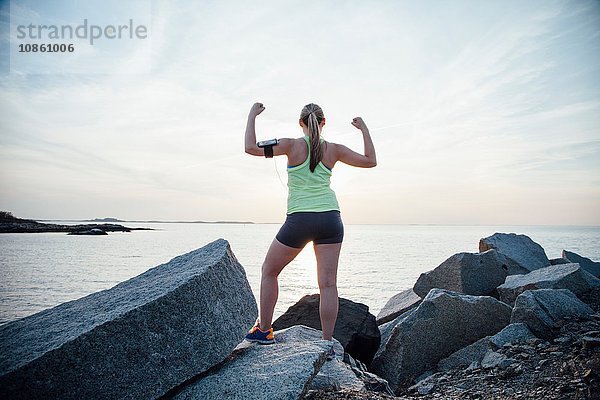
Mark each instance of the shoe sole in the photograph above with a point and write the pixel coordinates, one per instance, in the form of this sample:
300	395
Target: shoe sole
260	341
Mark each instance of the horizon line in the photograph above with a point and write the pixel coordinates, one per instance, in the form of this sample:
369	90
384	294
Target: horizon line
278	223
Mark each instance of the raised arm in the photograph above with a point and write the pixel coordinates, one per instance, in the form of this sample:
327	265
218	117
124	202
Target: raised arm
250	137
350	157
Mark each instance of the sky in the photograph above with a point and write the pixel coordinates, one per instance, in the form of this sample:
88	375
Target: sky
481	112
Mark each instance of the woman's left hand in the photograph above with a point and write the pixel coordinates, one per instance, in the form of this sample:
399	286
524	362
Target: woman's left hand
256	109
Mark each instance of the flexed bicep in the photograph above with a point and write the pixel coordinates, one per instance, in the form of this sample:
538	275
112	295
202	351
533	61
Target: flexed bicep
350	157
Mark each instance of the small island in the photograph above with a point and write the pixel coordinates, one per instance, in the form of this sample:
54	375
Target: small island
12	224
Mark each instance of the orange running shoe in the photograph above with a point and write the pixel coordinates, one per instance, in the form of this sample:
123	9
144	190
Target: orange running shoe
255	334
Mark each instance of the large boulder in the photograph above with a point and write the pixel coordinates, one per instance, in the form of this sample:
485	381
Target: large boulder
473	354
590	266
283	370
355	327
387	329
520	248
444	322
136	340
542	310
397	305
561	276
469	273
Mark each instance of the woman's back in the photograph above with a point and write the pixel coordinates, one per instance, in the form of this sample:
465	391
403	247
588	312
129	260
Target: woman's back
300	151
309	191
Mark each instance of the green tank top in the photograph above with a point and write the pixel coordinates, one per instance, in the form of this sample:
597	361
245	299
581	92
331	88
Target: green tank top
308	191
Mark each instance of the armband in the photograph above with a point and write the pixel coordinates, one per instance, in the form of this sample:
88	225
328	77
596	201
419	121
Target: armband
267	145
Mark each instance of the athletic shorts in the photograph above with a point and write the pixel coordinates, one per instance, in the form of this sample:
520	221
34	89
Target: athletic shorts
319	227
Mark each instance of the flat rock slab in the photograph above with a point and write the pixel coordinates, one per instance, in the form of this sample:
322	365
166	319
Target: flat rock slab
560	276
476	274
520	248
541	310
136	340
397	305
444	322
590	266
283	370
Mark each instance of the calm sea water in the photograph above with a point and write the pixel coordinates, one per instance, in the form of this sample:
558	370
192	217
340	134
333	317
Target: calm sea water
41	270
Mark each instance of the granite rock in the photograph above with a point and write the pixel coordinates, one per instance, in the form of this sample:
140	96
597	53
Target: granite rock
561	276
476	352
336	375
513	334
469	273
557	261
355	327
398	305
280	371
136	340
543	309
590	266
520	248
444	322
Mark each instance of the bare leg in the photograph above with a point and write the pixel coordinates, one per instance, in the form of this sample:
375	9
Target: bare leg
327	263
278	256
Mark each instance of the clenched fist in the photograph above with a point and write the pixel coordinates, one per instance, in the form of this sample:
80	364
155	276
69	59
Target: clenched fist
256	109
359	123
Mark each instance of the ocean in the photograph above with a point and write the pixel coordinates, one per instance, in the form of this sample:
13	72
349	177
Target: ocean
42	270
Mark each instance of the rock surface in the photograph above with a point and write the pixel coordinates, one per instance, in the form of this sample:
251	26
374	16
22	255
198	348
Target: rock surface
520	248
443	323
283	370
556	261
590	266
542	310
557	370
513	333
336	375
136	340
469	273
476	352
398	305
562	276
355	327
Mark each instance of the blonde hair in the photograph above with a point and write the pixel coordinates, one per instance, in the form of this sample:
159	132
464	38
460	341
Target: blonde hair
312	115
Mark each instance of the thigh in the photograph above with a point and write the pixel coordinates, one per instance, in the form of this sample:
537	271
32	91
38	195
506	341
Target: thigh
296	231
329	228
278	256
328	256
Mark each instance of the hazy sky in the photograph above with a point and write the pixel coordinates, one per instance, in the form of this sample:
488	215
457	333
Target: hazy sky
482	112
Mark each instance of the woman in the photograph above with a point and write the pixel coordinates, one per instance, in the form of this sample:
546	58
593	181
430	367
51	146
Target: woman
313	213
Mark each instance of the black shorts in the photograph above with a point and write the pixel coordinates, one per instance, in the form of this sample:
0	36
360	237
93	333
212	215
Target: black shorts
319	227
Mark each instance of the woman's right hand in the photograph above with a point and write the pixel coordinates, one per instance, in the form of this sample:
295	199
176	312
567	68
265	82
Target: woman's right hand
359	123
256	109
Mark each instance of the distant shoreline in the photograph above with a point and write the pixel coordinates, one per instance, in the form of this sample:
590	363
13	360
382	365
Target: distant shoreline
12	224
147	221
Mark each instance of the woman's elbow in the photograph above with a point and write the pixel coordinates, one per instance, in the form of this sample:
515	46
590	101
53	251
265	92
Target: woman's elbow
371	163
253	150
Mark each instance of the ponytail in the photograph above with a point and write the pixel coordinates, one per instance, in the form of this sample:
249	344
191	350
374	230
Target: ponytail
312	115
